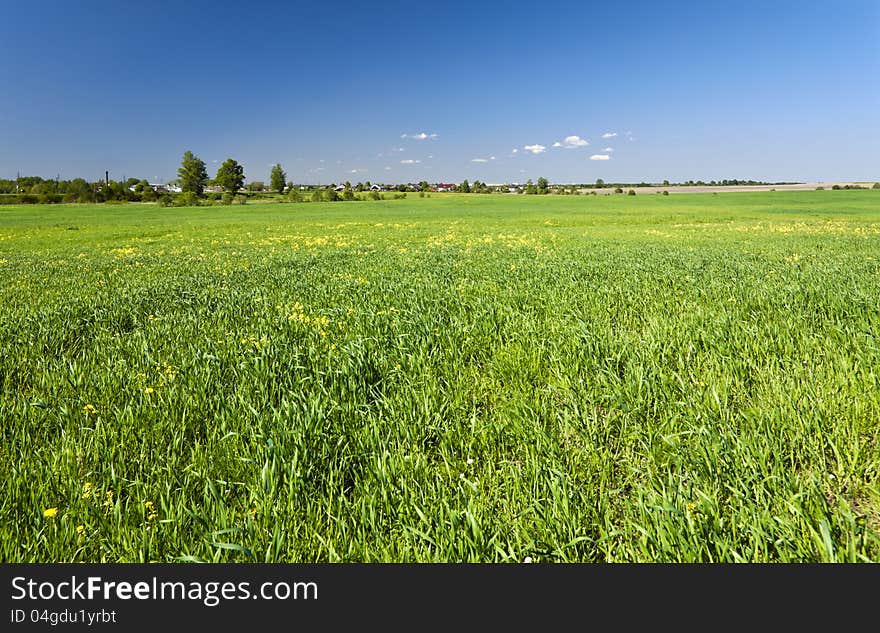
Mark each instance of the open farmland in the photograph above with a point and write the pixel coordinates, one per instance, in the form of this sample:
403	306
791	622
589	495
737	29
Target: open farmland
458	378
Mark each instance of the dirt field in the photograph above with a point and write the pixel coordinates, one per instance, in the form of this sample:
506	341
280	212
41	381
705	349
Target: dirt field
806	186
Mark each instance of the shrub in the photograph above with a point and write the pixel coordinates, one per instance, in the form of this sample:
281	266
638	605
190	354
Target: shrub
876	185
421	194
317	195
241	199
374	195
294	195
631	192
836	187
348	195
665	193
331	195
165	200
618	190
820	188
227	198
187	199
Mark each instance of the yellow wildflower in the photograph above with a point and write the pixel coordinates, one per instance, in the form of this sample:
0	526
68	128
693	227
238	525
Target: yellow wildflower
50	512
87	490
80	528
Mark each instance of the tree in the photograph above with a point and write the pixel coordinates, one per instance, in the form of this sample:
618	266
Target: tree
542	185
599	183
464	187
192	173
230	176
277	178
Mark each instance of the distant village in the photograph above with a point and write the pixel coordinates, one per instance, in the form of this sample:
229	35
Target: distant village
439	187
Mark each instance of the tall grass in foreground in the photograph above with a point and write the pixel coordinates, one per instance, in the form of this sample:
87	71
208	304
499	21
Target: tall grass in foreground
486	378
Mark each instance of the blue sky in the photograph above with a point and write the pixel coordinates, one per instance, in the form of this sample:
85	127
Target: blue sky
770	90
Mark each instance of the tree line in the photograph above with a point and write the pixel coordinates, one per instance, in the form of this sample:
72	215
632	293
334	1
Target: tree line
193	181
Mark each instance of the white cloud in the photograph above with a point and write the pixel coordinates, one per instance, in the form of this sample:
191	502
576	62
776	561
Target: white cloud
421	136
535	149
608	149
491	158
515	150
574	141
609	135
357	171
600	157
479	160
387	168
409	161
557	144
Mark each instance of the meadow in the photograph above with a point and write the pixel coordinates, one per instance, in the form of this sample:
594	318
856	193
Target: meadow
454	378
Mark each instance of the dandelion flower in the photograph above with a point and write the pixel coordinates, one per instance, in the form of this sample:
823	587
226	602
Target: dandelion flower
80	528
50	512
148	390
527	559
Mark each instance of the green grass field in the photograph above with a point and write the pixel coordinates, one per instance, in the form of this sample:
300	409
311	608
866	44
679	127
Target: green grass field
458	378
